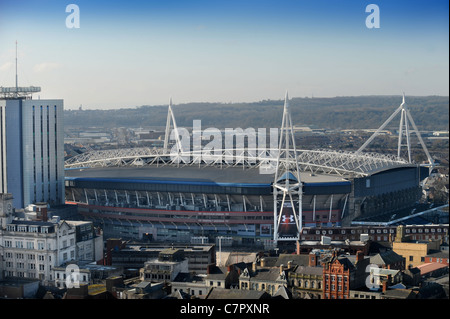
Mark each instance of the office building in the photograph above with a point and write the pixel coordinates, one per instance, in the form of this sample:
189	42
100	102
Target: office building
32	151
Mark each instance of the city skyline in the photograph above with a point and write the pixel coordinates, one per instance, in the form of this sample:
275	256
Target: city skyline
133	53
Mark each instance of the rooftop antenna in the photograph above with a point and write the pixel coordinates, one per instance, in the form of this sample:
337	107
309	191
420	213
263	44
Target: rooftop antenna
16	92
17	78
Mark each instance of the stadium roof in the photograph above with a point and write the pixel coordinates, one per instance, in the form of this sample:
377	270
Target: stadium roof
191	174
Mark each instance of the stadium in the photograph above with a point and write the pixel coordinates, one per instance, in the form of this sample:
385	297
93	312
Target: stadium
144	193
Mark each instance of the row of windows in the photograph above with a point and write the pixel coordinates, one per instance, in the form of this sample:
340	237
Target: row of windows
40	245
334	287
21	265
307	284
9	255
42	131
256	286
164	187
29	228
438	260
378	231
157	276
340	278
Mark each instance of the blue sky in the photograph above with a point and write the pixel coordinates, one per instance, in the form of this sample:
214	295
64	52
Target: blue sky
132	53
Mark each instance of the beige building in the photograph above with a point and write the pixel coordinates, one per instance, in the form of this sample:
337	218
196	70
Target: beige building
263	279
414	251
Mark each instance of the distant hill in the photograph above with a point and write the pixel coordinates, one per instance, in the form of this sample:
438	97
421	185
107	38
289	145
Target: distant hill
346	112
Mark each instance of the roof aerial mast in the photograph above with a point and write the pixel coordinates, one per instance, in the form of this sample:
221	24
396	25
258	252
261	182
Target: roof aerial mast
16	92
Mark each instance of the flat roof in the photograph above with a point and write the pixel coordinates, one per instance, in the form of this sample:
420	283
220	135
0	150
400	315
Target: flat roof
191	174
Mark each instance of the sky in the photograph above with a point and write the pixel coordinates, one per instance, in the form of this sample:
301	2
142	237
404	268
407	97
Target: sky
131	53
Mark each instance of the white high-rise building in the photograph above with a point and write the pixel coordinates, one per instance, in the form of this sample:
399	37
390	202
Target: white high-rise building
32	150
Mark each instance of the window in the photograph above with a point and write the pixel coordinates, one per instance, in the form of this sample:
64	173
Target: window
411	258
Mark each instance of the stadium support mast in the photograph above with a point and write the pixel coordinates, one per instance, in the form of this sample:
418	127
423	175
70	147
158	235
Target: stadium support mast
171	122
287	186
404	132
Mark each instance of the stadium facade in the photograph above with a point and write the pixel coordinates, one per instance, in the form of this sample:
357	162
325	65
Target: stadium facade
176	203
147	193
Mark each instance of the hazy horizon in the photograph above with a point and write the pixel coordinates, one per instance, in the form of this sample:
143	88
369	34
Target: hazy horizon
281	100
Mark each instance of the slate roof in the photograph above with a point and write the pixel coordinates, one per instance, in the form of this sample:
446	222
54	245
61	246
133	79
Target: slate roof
386	258
282	293
400	294
301	260
221	293
271	274
318	271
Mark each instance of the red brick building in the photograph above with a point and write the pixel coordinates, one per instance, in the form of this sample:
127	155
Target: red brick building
343	273
440	257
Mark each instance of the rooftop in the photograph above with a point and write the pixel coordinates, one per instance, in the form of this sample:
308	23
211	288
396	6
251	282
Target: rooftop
214	175
221	293
429	267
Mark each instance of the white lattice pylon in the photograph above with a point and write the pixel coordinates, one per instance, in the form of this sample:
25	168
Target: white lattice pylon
287	185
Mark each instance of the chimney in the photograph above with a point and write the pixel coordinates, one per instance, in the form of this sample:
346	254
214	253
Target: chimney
254	268
281	269
359	256
384	286
208	269
263	262
230	268
41	212
312	259
289	264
